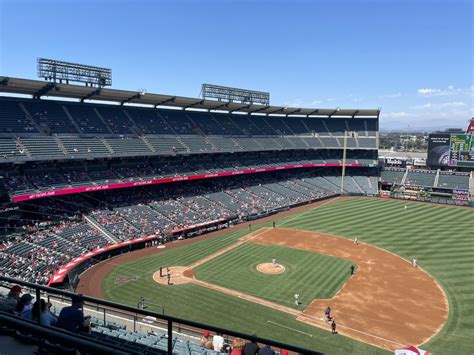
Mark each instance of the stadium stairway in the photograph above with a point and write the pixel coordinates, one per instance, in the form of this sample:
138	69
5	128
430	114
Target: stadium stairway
101	229
471	184
436	181
404	178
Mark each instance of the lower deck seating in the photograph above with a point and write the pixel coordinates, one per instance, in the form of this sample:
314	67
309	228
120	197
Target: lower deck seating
453	181
421	177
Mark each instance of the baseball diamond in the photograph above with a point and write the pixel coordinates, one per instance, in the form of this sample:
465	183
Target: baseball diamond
385	304
237	177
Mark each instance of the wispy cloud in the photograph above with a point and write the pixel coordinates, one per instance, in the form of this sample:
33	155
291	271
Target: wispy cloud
428	116
438	106
449	91
391	96
293	103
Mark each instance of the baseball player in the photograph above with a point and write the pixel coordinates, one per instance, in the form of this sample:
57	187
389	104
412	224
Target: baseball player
414	262
333	327
406	207
297	296
274	262
356	241
327	313
352	269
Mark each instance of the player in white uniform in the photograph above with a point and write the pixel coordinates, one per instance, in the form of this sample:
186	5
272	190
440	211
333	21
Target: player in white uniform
356	241
274	262
414	262
297	296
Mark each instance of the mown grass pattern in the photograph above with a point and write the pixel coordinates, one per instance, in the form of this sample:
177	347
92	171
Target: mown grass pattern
308	274
441	238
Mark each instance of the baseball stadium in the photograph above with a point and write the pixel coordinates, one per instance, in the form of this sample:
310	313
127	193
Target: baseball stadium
137	222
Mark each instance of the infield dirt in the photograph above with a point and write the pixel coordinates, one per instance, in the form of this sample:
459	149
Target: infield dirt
387	303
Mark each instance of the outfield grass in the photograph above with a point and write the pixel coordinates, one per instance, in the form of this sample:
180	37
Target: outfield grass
309	274
441	238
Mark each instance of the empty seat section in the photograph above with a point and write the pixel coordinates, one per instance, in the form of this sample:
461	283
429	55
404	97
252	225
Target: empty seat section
337	126
329	142
42	146
228	124
87	119
85	146
313	142
283	143
367	142
249	144
278	125
245	124
49	115
128	146
372	127
178	121
357	125
206	123
296	125
225	144
148	120
267	143
350	142
264	127
420	177
392	176
316	126
115	119
13	118
197	144
453	181
9	149
166	144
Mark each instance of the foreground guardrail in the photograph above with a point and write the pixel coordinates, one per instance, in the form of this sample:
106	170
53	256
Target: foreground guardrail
167	319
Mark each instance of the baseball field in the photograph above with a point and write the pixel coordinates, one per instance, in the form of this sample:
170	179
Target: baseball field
386	304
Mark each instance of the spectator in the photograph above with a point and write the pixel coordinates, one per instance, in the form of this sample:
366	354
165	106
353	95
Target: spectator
8	304
251	348
72	318
237	346
46	317
24	306
266	350
205	341
218	342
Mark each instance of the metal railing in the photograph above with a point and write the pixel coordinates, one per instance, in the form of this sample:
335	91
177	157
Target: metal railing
134	312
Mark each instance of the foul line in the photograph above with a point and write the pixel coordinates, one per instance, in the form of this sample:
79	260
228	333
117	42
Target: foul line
293	329
318	320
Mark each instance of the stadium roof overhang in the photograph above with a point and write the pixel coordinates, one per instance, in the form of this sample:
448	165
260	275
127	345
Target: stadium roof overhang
38	88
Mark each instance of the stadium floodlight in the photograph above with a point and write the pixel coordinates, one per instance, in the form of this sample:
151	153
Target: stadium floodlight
229	94
59	71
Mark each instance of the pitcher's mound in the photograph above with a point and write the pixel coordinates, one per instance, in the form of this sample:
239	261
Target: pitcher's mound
268	268
179	275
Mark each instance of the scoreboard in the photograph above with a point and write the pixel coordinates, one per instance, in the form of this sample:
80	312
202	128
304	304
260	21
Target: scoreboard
451	149
461	149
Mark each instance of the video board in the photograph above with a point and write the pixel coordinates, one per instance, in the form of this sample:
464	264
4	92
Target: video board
451	149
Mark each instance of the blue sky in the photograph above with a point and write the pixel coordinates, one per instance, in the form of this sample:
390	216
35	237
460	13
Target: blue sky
412	58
